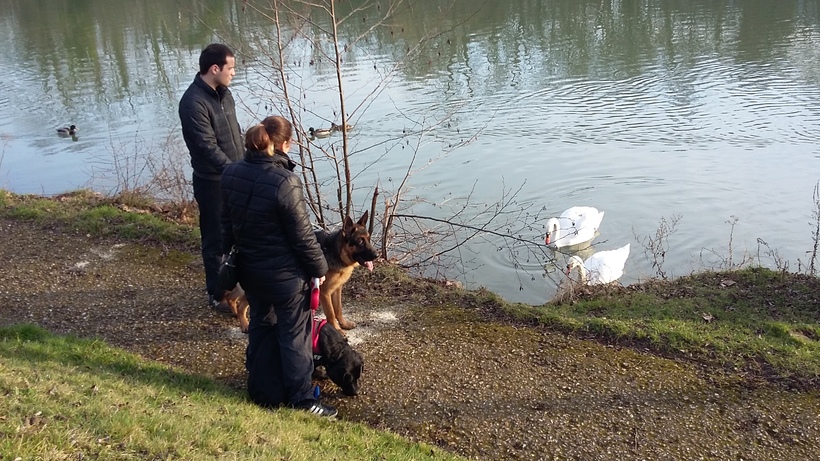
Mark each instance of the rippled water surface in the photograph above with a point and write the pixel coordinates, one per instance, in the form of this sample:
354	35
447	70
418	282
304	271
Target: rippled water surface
648	110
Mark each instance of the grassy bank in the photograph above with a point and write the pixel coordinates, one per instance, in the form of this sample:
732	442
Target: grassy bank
754	323
126	216
754	320
68	398
65	398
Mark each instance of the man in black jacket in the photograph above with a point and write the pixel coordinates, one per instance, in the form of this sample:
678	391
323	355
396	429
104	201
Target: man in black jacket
212	134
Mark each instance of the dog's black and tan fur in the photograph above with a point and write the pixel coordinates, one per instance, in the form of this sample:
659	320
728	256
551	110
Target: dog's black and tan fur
238	303
344	249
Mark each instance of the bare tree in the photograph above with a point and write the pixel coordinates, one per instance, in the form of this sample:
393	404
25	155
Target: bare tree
655	247
320	35
308	33
727	262
6	141
815	214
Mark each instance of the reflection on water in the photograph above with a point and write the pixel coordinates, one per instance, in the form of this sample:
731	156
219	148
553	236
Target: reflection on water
646	109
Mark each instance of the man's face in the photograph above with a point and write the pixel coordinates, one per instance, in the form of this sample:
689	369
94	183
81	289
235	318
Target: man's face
225	75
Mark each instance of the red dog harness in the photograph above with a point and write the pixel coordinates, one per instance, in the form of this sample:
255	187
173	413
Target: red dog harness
317	325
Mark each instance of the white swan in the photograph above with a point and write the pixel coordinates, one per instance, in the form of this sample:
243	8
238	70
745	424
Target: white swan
600	268
575	226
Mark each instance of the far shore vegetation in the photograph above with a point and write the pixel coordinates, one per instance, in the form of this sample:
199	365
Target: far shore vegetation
751	323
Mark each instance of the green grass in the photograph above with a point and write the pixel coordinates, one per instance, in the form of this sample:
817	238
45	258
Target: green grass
764	319
86	212
764	325
69	398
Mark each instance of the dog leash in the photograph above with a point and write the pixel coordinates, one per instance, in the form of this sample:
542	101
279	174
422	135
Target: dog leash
314	330
314	304
314	294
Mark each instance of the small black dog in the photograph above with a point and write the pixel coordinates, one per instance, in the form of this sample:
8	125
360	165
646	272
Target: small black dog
342	364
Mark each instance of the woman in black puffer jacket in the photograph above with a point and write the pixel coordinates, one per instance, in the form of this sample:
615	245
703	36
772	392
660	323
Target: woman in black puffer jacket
266	216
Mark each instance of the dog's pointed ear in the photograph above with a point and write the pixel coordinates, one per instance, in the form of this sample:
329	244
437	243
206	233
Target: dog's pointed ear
363	219
348	227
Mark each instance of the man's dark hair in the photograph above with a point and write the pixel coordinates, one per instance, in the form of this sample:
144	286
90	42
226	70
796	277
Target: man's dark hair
215	53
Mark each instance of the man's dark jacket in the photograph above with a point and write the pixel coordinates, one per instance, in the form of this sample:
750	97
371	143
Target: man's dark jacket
209	128
264	210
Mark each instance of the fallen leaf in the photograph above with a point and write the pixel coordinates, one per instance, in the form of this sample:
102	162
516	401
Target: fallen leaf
707	316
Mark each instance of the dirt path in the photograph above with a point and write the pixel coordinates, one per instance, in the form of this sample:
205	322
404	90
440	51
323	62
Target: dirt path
437	373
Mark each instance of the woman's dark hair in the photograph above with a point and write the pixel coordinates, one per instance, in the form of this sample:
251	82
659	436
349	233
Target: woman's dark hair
257	139
279	129
215	53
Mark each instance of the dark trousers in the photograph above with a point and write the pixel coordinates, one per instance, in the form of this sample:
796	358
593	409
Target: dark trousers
279	358
208	195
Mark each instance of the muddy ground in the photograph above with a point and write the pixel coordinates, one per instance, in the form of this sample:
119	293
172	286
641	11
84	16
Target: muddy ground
439	370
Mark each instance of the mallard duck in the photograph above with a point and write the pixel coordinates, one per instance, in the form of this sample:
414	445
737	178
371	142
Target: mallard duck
320	132
336	127
575	226
68	130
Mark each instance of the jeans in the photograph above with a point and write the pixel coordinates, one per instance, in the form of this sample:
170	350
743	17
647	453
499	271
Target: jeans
208	195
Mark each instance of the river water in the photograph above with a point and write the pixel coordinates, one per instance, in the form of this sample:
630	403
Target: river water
698	112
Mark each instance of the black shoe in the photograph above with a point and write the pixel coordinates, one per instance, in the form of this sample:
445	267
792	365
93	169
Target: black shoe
219	306
317	408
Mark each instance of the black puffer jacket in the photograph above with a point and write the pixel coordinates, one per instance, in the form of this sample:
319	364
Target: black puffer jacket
278	251
209	128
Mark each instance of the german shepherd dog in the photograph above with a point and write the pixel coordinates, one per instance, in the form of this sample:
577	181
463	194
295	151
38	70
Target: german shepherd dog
344	249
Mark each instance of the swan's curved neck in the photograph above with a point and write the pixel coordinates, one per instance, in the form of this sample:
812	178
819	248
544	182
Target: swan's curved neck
582	270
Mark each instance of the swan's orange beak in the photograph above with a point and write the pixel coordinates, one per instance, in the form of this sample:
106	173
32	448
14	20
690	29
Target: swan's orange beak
547	239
